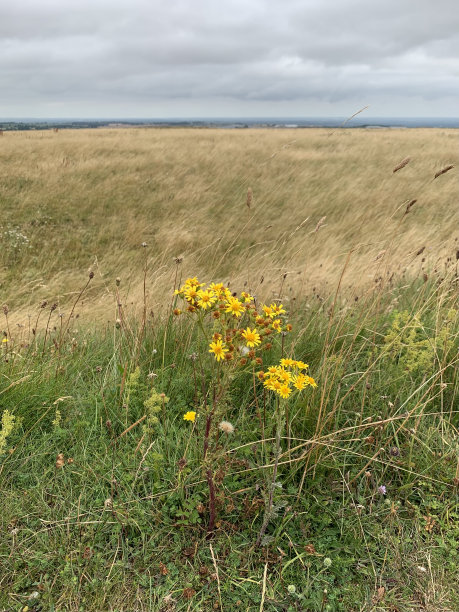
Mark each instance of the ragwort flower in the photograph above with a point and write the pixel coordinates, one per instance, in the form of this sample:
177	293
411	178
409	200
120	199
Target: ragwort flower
219	349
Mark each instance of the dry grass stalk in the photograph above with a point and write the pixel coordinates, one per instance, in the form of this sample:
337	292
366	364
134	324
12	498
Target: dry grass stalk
443	171
319	224
402	164
249	197
349	118
409	206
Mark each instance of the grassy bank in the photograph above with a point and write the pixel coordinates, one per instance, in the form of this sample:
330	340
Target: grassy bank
105	504
163	445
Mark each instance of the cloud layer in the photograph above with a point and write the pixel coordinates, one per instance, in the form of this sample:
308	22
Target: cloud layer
263	57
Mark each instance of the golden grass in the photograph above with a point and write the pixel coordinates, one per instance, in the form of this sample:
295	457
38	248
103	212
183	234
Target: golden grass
89	198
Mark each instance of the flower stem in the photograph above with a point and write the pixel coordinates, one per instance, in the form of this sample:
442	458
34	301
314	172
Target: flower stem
211	485
272	484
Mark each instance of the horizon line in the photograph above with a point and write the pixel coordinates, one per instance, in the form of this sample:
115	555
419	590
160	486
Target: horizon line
224	118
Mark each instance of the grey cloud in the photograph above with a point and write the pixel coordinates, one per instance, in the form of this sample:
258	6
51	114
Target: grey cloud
306	52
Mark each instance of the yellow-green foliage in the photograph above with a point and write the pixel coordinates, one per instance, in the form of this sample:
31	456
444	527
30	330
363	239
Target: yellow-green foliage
414	345
133	387
57	419
8	423
133	380
153	404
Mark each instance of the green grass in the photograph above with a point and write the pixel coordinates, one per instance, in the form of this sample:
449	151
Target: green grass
122	526
104	485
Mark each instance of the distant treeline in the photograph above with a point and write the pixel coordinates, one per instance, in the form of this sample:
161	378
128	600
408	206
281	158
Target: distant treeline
240	123
13	126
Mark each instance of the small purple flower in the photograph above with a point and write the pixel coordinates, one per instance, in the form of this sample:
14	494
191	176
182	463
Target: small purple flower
382	489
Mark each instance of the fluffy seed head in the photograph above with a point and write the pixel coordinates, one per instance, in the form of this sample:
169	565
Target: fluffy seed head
226	427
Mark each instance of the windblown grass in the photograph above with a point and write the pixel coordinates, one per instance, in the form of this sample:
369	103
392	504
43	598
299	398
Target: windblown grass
90	504
78	199
104	496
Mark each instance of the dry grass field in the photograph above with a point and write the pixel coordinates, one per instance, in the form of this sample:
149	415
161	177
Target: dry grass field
75	200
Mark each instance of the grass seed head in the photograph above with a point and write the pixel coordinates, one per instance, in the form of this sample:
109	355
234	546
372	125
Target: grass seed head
402	164
443	171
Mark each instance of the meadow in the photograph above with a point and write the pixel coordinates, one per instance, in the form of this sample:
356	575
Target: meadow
282	436
75	200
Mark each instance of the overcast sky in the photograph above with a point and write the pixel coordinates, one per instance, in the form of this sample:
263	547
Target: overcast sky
222	58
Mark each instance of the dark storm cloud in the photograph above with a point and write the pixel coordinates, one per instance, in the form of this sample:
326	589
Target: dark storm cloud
142	54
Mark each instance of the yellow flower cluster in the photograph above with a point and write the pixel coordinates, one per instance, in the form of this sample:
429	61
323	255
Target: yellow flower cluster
287	377
198	298
244	328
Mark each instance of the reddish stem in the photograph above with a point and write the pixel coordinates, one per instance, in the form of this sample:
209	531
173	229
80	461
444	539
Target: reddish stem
206	435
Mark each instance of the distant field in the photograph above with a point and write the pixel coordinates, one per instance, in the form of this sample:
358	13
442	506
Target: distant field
75	200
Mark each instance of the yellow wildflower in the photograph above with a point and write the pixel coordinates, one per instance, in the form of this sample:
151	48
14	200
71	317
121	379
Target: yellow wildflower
218	349
311	381
278	309
189	416
300	381
277	325
219	289
301	365
287	363
268	311
252	337
206	298
284	391
191	294
247	297
284	376
269	383
235	307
